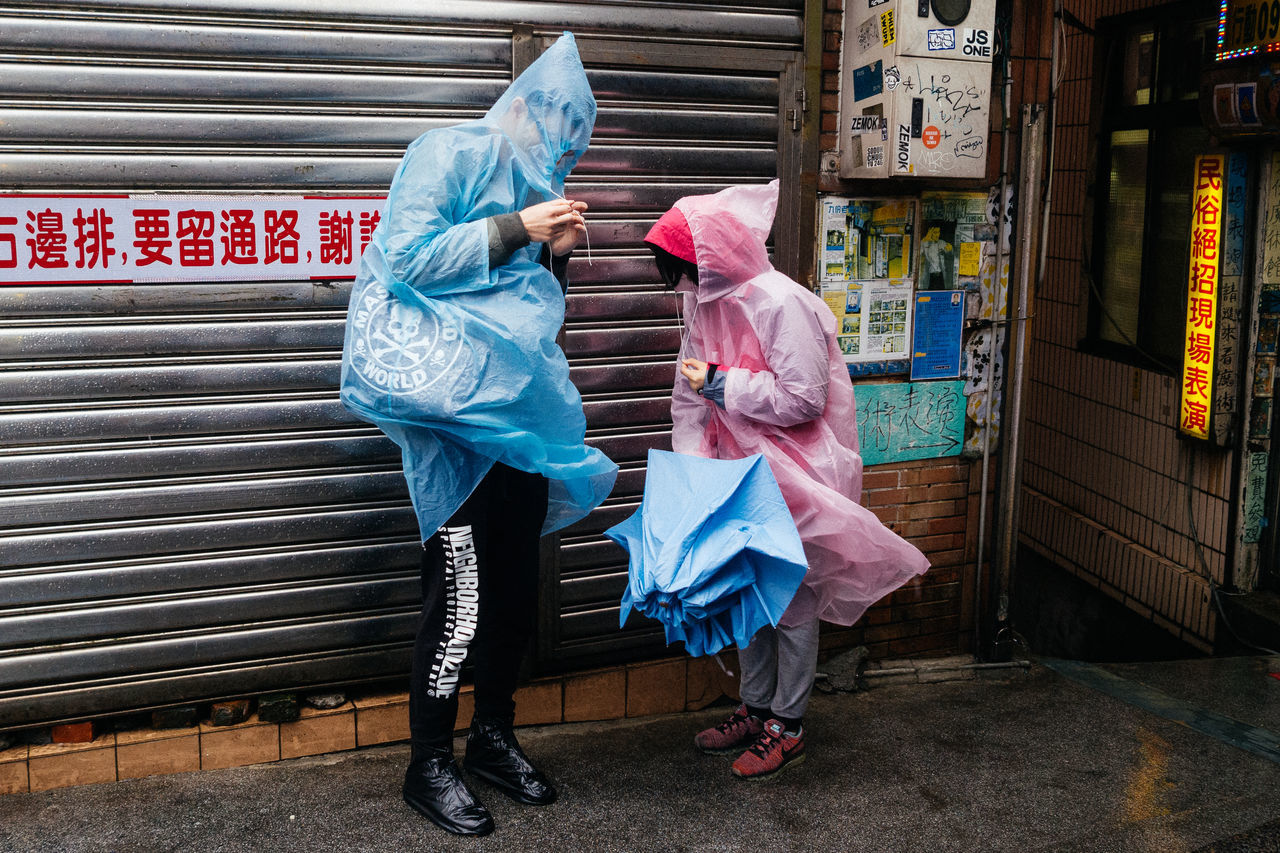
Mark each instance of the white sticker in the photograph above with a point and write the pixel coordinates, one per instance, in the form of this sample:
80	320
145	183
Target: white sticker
868	34
904	148
875	156
942	39
977	43
892	77
865	124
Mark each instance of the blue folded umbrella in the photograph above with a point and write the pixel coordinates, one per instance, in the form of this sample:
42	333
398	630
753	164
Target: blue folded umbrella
714	552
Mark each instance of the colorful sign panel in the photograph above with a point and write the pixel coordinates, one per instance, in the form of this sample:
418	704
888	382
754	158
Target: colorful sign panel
1202	297
105	239
1246	27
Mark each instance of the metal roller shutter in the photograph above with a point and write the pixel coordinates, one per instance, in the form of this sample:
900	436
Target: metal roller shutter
186	511
667	128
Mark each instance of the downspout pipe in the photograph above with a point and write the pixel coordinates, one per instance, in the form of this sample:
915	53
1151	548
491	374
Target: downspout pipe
1002	260
1034	138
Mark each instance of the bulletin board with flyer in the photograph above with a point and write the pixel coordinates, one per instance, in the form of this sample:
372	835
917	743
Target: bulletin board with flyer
917	288
866	275
876	256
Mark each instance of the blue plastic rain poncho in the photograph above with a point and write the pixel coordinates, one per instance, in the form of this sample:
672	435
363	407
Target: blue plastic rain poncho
455	361
714	554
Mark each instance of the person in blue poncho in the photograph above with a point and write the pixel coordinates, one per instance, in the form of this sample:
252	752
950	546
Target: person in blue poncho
451	350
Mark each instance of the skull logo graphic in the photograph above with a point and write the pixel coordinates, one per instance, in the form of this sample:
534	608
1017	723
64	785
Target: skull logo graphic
403	322
401	348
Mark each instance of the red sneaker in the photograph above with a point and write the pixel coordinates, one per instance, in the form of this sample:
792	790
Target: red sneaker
772	751
730	736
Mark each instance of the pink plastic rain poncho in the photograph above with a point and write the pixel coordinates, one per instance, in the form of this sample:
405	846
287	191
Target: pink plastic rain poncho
787	396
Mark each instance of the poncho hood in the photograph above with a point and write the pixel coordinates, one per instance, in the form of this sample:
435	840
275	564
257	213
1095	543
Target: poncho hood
729	230
671	234
548	113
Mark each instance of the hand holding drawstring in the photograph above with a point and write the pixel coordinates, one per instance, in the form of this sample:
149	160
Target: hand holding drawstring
695	371
558	223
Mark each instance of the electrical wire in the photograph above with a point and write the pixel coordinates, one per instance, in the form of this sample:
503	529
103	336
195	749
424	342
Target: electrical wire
1086	264
585	230
1191	516
1215	593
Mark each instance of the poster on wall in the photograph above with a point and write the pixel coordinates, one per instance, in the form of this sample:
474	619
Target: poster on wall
939	325
866	277
957	241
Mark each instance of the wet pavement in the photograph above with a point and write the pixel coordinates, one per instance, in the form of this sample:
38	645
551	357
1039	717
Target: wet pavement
1002	760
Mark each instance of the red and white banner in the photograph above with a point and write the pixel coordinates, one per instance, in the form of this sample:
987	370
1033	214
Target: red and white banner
101	239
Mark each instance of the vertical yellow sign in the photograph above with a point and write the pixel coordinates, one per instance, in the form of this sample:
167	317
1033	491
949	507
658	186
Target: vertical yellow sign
1202	297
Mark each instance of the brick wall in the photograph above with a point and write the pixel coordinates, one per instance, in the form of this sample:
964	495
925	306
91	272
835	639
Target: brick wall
928	504
934	504
1107	482
832	24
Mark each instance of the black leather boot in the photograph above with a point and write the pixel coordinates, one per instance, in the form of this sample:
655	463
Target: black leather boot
433	786
494	756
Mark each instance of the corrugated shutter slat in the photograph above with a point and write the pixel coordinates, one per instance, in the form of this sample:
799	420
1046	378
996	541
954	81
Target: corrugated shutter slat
188	511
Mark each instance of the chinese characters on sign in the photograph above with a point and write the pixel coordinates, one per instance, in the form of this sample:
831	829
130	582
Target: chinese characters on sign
64	239
1246	27
909	420
1255	497
1229	366
1202	297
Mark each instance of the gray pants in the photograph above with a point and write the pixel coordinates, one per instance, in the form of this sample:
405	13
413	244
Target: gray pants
778	667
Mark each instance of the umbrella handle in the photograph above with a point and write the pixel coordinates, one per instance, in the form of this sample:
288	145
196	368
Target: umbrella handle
723	668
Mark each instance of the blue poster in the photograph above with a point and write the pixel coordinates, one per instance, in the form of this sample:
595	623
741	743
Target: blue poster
1237	195
868	81
878	368
938	324
910	420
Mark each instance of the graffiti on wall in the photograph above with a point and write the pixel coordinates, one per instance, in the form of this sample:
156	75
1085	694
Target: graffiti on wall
910	420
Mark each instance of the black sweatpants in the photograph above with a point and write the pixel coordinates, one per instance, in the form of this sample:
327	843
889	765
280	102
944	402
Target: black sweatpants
479	597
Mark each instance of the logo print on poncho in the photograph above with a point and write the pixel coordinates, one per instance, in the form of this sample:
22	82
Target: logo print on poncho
399	348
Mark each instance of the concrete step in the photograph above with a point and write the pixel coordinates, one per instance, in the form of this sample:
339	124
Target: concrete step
1253	623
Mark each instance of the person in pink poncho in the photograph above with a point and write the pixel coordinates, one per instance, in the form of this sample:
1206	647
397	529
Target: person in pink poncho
761	372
